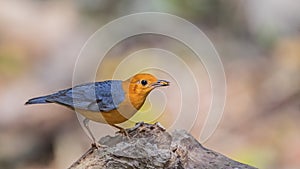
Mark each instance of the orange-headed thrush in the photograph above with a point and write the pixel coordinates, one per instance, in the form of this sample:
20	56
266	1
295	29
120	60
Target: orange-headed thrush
111	101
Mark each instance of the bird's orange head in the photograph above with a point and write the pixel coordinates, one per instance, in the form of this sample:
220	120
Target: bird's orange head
139	86
143	83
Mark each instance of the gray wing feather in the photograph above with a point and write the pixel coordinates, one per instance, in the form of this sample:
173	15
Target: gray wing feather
98	96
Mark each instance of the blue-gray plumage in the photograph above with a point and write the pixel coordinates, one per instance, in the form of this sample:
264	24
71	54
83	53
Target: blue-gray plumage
99	96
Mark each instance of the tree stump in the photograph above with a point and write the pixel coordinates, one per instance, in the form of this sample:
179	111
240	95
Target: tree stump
150	146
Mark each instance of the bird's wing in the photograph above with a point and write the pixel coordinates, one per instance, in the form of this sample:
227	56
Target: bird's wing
98	96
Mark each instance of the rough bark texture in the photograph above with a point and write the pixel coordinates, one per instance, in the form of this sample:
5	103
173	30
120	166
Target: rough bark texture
150	146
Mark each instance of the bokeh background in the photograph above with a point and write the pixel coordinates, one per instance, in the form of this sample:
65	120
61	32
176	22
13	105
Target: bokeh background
258	42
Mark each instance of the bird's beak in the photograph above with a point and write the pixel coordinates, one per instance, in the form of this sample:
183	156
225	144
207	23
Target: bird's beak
160	83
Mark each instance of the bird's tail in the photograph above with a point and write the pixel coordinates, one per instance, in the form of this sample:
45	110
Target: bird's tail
37	100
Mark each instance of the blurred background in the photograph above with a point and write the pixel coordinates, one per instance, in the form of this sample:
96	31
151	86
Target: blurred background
258	42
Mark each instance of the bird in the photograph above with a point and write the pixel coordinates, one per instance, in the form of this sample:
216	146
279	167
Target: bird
110	102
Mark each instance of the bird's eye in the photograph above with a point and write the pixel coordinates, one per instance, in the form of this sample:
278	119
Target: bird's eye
144	82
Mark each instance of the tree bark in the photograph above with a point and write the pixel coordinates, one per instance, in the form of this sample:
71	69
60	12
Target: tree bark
150	146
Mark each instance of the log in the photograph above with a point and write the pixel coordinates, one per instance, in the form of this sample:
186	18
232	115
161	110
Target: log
150	146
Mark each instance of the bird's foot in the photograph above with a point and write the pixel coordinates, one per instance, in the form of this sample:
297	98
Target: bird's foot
97	145
124	133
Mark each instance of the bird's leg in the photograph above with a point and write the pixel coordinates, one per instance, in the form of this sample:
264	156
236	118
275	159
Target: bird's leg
86	125
122	130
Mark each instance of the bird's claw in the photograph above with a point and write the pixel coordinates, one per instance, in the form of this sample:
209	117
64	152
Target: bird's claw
124	133
97	145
